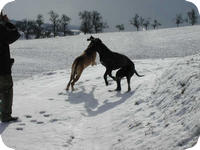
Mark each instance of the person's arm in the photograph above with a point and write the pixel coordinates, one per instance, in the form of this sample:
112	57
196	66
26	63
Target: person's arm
8	33
12	33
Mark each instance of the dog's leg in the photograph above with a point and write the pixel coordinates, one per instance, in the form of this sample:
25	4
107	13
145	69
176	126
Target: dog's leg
105	77
76	79
128	81
71	78
118	84
110	74
119	75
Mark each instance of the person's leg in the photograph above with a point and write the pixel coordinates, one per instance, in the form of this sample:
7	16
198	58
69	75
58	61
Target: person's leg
6	95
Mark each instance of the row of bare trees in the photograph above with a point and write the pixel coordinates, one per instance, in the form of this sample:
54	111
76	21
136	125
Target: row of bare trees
91	22
191	18
39	30
140	22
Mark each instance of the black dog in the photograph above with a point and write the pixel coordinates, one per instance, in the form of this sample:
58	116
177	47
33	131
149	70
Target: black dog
112	61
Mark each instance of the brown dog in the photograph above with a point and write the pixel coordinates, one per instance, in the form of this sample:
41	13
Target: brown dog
80	63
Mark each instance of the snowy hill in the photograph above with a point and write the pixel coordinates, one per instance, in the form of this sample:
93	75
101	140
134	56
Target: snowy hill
160	113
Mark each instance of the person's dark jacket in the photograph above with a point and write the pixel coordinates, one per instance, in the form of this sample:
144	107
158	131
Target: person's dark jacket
8	35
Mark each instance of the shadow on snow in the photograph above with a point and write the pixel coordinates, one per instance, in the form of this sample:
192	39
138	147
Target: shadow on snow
91	103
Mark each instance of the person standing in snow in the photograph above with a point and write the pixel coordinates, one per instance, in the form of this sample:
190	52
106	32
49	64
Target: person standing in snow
8	35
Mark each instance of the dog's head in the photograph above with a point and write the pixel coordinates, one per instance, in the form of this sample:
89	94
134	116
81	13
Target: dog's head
91	38
94	40
95	44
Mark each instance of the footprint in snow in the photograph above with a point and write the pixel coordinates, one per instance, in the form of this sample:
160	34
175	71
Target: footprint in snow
19	129
42	112
53	120
40	122
28	116
62	93
65	145
50	99
33	121
47	115
49	73
22	124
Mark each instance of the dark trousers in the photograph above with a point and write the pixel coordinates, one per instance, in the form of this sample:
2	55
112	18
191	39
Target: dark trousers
6	95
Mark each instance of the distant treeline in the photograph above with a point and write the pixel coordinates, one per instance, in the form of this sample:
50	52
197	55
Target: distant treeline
91	22
145	23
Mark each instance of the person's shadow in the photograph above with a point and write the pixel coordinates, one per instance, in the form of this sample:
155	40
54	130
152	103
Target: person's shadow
3	126
91	103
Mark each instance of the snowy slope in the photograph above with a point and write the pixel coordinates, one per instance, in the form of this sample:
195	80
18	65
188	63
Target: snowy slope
156	115
160	113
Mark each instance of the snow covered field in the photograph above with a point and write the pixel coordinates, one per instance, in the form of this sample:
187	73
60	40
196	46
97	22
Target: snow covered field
160	113
37	56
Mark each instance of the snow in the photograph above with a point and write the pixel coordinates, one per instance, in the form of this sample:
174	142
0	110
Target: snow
160	113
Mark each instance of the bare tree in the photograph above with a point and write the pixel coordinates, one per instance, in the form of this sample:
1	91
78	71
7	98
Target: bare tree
146	24
54	18
156	24
21	25
86	22
39	22
135	21
141	22
120	27
65	20
27	27
192	17
179	19
97	22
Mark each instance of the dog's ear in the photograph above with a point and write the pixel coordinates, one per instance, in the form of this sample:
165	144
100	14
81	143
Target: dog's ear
91	38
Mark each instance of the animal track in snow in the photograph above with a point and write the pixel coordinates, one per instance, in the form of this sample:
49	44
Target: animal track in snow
19	129
42	112
50	99
53	120
33	121
28	116
22	124
40	122
47	115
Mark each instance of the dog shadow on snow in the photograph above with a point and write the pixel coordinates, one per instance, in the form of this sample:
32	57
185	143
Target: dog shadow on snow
91	103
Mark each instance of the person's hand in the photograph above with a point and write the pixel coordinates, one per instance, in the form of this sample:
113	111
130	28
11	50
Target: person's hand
4	18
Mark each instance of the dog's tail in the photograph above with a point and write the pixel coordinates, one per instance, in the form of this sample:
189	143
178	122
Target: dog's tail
138	74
